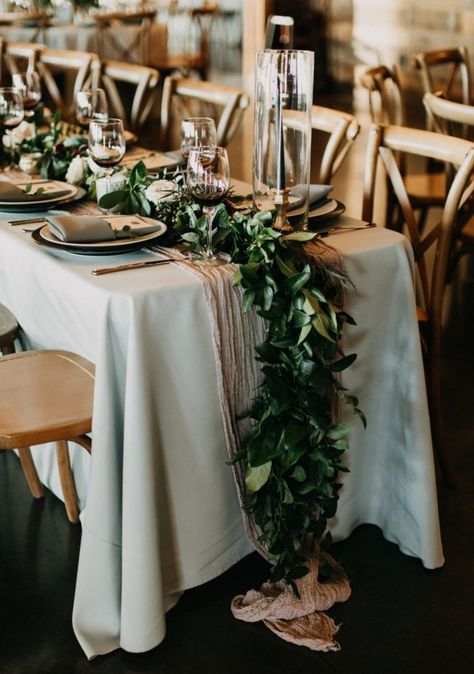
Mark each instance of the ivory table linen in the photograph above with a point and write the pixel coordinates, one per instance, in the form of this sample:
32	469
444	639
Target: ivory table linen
161	511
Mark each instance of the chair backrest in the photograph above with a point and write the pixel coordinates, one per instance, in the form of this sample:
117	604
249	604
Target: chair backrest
457	62
343	129
386	100
58	62
386	142
447	116
138	50
21	56
114	75
194	98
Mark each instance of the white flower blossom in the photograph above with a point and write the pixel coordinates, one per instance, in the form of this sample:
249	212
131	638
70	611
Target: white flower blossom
161	190
75	172
24	131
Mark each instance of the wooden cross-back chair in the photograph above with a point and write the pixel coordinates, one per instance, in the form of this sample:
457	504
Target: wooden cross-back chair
110	75
343	129
448	117
385	142
46	396
57	62
137	51
196	98
19	57
455	84
387	105
458	63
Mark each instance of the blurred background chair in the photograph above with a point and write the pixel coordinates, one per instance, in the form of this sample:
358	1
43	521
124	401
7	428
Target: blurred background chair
137	51
46	396
450	117
18	57
63	73
426	188
183	97
385	142
448	71
343	129
131	90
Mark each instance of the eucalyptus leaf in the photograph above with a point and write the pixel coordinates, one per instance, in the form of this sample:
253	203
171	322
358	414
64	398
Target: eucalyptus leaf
257	476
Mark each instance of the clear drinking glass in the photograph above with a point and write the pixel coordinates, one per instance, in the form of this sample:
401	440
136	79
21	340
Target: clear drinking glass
195	132
107	143
12	113
29	85
89	105
208	180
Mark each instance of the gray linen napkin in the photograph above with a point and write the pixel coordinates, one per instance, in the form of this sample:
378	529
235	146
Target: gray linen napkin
91	228
13	193
316	193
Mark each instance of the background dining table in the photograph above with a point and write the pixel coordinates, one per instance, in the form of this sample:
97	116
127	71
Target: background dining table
160	512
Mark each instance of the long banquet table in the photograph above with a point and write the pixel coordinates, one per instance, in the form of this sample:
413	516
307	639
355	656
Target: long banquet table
161	514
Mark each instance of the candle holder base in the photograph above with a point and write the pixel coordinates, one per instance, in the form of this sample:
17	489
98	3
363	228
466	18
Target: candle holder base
281	201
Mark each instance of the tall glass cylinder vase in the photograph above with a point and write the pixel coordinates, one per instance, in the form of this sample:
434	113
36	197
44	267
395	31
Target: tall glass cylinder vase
282	135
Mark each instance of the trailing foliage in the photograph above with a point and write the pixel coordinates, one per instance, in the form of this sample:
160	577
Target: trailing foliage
293	454
57	148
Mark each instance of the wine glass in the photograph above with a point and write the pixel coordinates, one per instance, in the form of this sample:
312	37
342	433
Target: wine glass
208	179
91	104
12	113
197	131
107	143
29	85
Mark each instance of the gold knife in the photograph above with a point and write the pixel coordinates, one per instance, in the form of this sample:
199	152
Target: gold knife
134	265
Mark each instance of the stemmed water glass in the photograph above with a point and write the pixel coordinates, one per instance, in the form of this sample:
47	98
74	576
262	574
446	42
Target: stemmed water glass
12	113
195	132
29	85
91	104
107	144
208	180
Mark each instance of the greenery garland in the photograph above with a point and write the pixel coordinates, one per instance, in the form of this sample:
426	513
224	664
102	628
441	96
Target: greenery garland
293	453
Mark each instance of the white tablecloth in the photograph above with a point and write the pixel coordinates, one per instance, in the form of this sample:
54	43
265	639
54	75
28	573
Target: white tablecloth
162	514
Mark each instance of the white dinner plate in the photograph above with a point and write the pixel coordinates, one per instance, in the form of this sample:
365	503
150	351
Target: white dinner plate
47	186
43	236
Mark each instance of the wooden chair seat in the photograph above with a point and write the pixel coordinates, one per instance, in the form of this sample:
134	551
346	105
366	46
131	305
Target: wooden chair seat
46	396
429	188
8	330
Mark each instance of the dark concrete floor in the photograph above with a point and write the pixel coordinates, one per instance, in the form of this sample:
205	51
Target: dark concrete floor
400	618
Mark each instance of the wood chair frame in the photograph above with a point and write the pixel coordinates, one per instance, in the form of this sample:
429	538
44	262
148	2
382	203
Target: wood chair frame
343	129
108	74
385	142
232	101
64	60
444	115
70	419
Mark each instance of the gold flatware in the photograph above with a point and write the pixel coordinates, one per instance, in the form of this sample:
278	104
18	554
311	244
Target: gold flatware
133	265
341	228
28	221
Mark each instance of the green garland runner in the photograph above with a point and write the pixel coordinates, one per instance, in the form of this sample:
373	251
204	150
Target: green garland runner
293	453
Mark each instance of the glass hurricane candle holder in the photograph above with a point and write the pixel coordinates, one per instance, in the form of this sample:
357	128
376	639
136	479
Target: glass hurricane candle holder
282	135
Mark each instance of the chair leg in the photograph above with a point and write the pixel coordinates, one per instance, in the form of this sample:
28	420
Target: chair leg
67	481
30	473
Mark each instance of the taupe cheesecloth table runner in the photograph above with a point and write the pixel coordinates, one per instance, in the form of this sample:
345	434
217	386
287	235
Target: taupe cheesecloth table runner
298	620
